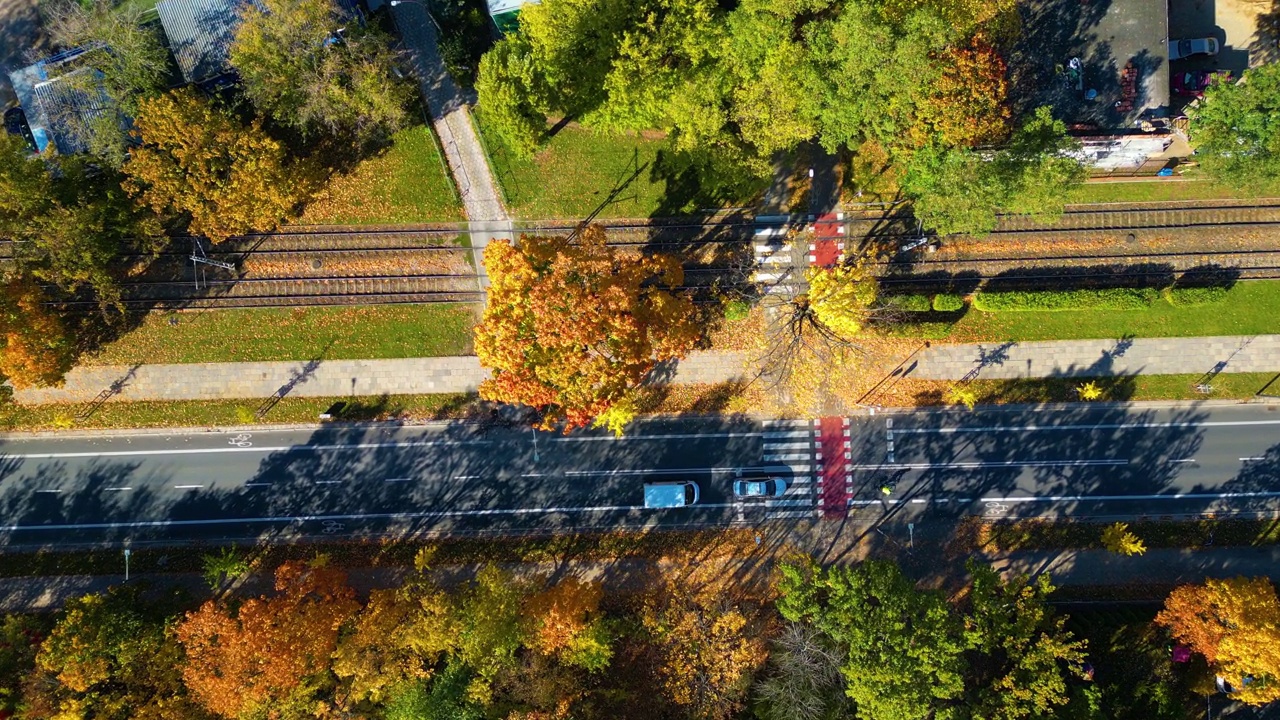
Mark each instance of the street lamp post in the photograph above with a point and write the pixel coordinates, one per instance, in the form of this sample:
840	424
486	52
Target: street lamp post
127	553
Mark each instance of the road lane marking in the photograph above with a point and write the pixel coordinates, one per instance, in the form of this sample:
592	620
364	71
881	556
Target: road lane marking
656	471
118	488
326	482
187	487
49	491
402	479
1183	460
673	436
986	464
338	518
1248	459
1092	498
219	450
257	484
1101	426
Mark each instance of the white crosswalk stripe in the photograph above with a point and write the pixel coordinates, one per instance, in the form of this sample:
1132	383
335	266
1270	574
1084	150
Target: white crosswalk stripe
788	514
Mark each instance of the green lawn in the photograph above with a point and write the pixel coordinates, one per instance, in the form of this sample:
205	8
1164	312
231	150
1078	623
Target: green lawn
1249	308
380	331
1226	386
578	169
407	183
1164	190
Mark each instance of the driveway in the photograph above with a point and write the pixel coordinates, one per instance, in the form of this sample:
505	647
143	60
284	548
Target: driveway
1245	28
21	38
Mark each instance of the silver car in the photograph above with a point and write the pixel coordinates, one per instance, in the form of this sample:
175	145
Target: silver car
760	487
1179	49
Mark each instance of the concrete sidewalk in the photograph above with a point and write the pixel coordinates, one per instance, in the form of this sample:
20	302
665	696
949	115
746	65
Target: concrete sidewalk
1164	566
452	122
317	378
1100	358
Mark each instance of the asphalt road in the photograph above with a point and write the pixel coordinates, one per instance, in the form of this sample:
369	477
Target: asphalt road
354	480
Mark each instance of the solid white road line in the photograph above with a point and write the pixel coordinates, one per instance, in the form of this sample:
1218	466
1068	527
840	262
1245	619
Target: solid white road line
1100	426
986	464
369	516
1077	498
236	449
673	436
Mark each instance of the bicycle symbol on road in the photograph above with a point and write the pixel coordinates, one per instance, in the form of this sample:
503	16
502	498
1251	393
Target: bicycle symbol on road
241	440
995	508
332	526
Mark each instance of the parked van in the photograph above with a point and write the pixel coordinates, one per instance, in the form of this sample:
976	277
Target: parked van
670	494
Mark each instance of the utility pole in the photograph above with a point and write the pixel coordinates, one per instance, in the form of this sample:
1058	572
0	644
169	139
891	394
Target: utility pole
198	258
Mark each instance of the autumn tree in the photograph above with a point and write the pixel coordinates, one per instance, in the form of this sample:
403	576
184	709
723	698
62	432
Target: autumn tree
380	654
1233	128
20	638
842	297
489	628
310	65
37	348
198	159
566	623
264	651
1118	539
967	105
707	643
803	679
572	325
111	657
1235	625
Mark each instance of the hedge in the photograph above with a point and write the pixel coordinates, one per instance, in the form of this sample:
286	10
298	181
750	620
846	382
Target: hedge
948	302
1088	299
910	303
735	310
1191	296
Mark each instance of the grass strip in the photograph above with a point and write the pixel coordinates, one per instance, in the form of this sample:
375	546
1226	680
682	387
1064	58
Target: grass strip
652	544
1247	308
1135	388
228	413
267	334
1024	535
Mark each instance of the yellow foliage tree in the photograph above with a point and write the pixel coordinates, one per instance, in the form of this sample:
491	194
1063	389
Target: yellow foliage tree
1117	539
841	297
573	326
198	159
960	395
37	349
1089	391
1235	625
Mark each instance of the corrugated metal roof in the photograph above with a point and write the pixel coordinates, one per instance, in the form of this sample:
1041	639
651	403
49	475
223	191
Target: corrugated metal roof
200	34
71	103
498	7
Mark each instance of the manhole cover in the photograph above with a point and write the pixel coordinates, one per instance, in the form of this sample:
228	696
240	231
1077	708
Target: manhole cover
316	264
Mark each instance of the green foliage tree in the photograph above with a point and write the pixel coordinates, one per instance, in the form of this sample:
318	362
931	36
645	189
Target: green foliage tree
73	219
198	159
296	67
20	638
512	95
224	567
132	62
1026	657
956	190
489	628
903	647
1235	131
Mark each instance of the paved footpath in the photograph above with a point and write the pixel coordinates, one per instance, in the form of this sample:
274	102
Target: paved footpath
322	378
1100	358
452	122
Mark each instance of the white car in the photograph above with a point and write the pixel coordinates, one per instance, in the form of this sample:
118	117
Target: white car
1179	49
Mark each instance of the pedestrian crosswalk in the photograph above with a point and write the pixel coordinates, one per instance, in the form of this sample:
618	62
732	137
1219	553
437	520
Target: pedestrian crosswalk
774	254
789	452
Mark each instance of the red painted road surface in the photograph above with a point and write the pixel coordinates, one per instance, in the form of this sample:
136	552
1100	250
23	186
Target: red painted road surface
828	244
832	434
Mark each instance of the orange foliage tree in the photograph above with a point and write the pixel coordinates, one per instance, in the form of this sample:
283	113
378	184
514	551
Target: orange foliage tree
572	326
567	624
967	106
263	652
1235	625
37	349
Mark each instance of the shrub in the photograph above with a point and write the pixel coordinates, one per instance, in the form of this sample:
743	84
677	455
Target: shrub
1192	296
948	302
736	310
1053	300
910	303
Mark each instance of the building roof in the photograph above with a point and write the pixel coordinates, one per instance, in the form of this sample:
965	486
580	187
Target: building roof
61	100
500	7
200	34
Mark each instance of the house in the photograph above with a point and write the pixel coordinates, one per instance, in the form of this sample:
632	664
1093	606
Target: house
506	13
